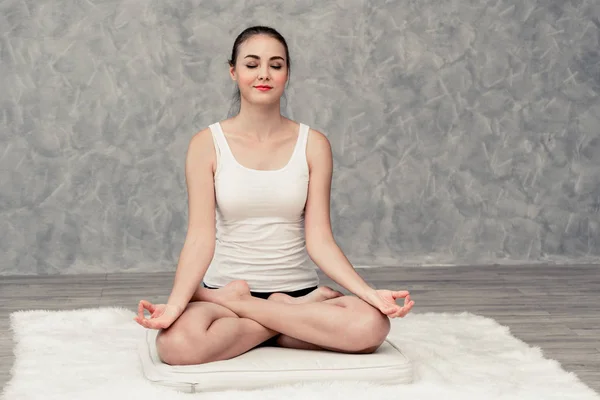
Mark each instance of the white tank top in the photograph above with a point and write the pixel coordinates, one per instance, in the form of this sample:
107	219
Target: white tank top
260	222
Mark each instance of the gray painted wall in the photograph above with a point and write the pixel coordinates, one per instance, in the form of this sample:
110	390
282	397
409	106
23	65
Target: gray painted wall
463	131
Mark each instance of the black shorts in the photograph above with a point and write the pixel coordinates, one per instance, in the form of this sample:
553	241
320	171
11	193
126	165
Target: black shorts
272	342
264	295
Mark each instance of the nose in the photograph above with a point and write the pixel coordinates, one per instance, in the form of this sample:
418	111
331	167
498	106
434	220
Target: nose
263	73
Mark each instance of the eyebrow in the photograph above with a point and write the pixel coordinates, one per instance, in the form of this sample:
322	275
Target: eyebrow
258	58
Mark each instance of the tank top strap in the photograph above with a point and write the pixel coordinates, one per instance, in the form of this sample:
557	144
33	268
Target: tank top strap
300	149
304	136
222	147
301	145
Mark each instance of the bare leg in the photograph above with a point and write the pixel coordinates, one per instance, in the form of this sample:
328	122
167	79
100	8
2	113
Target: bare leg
207	332
345	324
322	293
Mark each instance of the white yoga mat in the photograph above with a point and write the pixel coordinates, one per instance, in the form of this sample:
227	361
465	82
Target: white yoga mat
91	354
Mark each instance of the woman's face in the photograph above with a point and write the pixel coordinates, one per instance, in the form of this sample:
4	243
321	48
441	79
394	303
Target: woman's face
261	61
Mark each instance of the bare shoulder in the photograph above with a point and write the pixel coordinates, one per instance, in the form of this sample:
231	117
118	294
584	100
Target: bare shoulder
318	140
201	150
202	141
318	149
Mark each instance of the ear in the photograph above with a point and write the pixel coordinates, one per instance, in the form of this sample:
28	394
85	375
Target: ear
232	73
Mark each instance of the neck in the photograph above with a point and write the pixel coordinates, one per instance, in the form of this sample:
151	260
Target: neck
260	121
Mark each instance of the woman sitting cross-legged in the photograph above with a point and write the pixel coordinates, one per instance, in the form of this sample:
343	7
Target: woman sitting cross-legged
259	197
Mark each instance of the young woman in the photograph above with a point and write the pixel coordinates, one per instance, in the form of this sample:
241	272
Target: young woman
259	184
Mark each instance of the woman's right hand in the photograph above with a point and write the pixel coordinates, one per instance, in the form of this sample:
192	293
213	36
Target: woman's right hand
161	315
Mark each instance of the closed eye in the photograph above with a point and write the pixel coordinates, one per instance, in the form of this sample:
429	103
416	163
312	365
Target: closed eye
254	66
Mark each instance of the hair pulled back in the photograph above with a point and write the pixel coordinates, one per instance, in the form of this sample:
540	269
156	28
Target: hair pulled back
243	37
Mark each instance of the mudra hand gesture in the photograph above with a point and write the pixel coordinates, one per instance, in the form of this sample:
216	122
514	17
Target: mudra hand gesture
161	315
385	301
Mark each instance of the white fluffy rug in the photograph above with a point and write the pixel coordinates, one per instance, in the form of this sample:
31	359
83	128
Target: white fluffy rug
91	354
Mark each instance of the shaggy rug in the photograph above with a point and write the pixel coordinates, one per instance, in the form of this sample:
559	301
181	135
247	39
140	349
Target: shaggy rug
89	354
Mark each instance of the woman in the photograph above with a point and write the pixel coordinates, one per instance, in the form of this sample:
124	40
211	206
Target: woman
268	179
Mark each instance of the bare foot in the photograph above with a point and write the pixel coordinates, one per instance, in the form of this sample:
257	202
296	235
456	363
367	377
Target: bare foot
235	290
322	293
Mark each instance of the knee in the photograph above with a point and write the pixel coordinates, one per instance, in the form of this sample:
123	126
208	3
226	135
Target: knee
376	327
370	327
171	346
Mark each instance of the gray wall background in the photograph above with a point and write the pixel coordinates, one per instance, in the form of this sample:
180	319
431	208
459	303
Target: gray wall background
464	132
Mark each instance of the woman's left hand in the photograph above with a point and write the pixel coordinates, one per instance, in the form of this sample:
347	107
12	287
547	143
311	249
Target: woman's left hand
385	301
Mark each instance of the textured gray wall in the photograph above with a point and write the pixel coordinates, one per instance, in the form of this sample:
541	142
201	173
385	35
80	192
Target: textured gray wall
463	131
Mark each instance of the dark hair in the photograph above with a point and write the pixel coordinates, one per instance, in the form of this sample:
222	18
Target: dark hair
242	37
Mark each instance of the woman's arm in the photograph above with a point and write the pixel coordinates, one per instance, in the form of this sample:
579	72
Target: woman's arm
199	245
320	243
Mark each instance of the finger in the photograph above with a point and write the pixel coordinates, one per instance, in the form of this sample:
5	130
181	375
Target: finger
394	311
387	310
144	304
406	310
149	324
392	308
397	313
149	306
400	294
403	310
140	310
402	313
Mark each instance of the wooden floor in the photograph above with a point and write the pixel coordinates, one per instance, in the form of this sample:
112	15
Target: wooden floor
554	307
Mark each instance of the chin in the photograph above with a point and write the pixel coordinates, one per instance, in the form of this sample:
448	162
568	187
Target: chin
264	101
